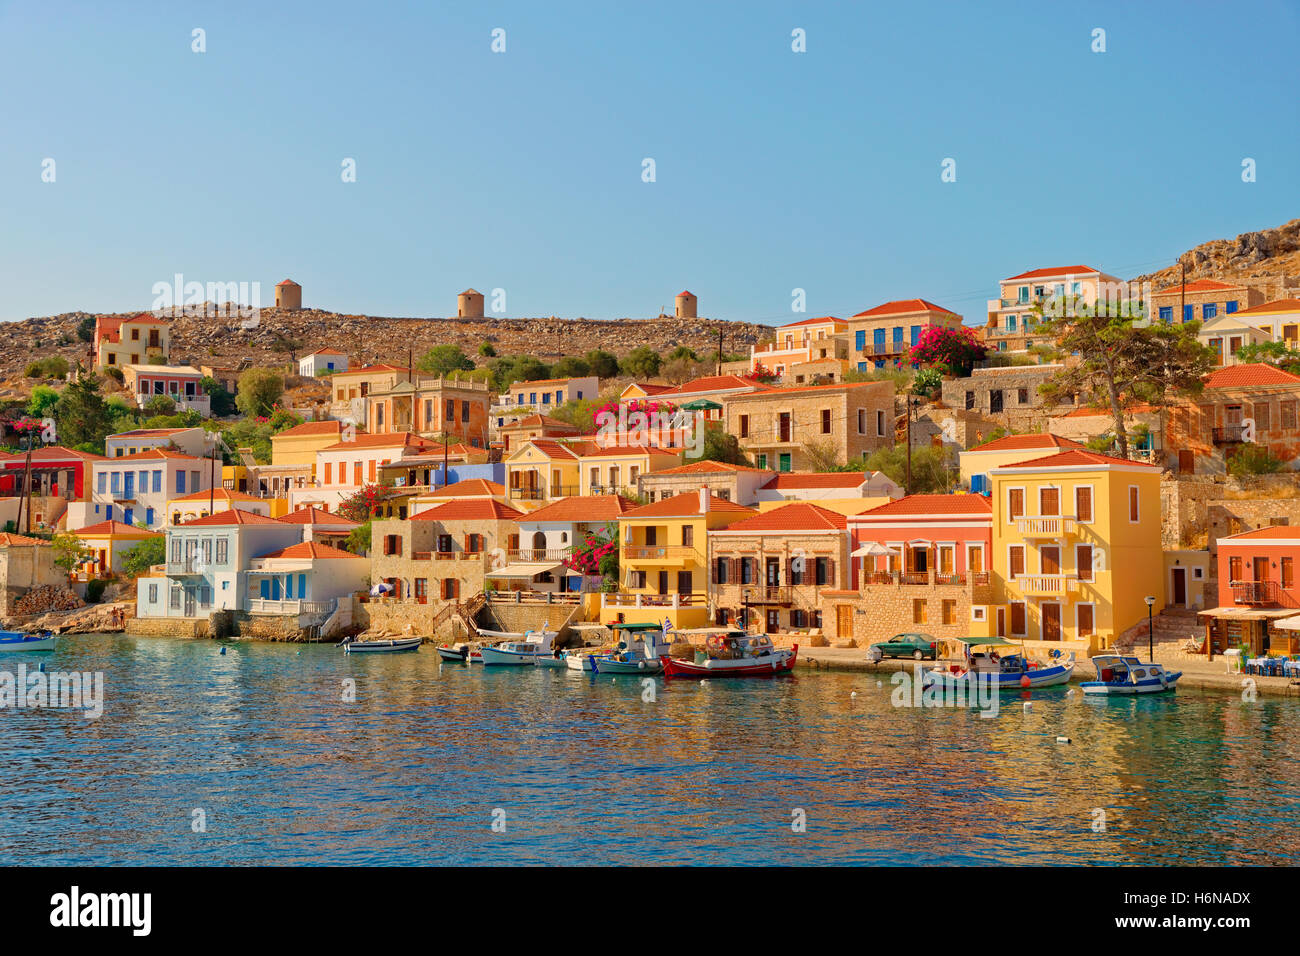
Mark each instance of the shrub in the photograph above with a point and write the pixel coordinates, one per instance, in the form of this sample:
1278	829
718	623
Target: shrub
1253	459
95	590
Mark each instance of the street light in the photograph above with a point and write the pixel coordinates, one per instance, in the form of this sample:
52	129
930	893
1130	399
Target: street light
1151	633
746	594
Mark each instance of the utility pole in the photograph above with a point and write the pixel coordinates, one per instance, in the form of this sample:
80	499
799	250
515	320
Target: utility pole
719	351
27	489
907	415
1182	293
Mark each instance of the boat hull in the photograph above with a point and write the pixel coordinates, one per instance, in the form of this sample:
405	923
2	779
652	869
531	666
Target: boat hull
17	641
579	662
383	647
1038	677
1150	685
770	665
608	665
496	657
459	655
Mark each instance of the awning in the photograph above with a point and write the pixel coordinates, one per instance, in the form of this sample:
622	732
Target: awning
702	405
525	569
1247	613
1291	623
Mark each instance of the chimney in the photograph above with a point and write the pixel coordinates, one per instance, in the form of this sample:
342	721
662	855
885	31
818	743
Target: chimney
704	499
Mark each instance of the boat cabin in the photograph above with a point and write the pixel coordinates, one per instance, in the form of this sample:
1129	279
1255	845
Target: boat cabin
1114	669
737	645
644	638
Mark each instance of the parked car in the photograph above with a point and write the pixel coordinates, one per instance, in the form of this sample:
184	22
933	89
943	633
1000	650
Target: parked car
916	646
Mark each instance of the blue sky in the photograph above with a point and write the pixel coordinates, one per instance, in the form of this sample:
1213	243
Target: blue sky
522	170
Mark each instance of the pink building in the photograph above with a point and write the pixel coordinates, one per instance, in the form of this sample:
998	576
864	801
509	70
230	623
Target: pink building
907	539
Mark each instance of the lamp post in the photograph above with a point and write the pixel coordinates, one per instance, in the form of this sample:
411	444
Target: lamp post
746	594
1151	632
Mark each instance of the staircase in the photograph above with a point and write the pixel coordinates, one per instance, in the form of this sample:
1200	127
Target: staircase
469	611
1174	628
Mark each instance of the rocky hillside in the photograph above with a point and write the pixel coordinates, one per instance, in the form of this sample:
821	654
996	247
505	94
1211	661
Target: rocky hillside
225	341
1269	258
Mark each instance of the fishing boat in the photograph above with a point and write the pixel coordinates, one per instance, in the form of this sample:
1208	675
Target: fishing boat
22	641
383	646
732	653
1119	675
1003	665
641	649
534	646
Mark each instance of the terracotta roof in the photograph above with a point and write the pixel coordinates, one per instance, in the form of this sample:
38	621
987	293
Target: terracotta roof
310	549
1089	411
650	389
1271	308
313	515
1200	285
685	292
704	468
1272	531
286	282
1251	374
712	383
583	508
10	540
115	527
938	505
219	494
144	318
313	428
818	321
1028	442
383	440
148	432
375	368
154	454
469	488
325	351
797	516
1077	457
685	505
234	516
902	307
769	391
538	421
544	381
1054	271
817	479
470	509
55	453
553	448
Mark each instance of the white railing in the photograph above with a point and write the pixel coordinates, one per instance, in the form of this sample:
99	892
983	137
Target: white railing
1036	585
270	606
1049	526
622	600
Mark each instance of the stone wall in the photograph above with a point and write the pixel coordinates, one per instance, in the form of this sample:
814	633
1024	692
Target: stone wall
879	611
1183	505
166	627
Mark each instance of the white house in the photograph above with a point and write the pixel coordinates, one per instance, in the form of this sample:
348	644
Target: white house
136	488
190	441
322	361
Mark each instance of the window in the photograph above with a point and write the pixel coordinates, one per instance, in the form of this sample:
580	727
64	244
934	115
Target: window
1049	501
977	614
1288	410
157	481
1016	560
153	593
1133	503
421	589
180	482
761	462
880	423
175	598
744	426
1083	561
860	340
970	401
826	421
688	536
100	481
1166	313
784	462
1230	307
821	571
1015	503
1261	416
1083	620
1209	310
720	568
949	611
918	610
1018	617
451	408
329	468
1288	573
1189	313
1234	569
222	550
1083	503
1022	396
862	421
746	570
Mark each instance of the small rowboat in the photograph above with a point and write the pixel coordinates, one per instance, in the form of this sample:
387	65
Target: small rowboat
1118	675
22	641
461	653
389	646
735	654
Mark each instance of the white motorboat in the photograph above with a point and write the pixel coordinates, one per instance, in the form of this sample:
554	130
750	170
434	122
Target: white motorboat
641	650
22	641
1009	670
1120	675
535	646
388	646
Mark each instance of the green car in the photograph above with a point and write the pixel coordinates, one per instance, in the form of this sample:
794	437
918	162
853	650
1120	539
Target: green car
915	646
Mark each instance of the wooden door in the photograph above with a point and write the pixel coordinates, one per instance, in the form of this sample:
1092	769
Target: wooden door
1180	587
844	621
1051	622
1186	461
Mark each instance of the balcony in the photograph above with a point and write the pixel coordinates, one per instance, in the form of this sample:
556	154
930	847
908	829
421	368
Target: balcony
268	606
1255	592
623	600
925	579
1046	585
538	554
190	565
1046	526
667	554
1230	434
768	594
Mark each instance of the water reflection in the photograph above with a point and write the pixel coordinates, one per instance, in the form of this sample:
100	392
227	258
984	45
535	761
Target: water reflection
288	771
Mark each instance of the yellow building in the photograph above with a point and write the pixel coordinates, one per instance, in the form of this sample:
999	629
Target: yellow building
1076	548
543	470
663	561
200	504
298	445
131	341
976	463
106	542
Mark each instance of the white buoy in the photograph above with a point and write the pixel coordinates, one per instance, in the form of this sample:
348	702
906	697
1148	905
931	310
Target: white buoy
1070	692
1062	740
1029	705
854	694
879	684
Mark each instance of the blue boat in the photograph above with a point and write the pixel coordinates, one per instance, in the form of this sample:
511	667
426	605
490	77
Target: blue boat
1119	675
22	641
1000	663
